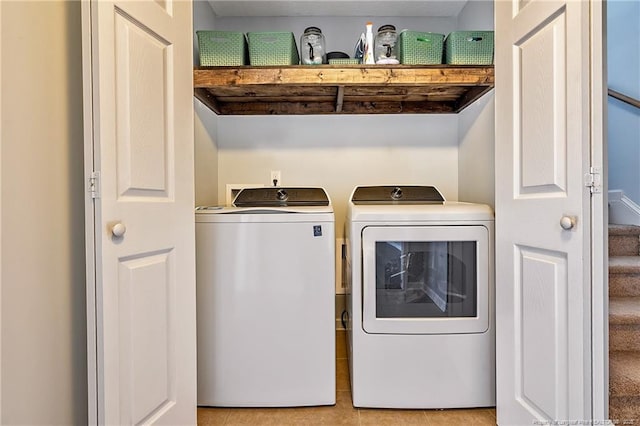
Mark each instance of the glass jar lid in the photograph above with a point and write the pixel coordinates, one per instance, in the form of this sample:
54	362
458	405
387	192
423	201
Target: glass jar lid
310	30
387	27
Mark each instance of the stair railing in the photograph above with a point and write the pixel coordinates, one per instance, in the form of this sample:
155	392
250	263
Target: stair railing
621	208
624	98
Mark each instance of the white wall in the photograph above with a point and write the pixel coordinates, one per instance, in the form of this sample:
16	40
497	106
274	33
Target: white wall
477	15
340	152
476	164
341	33
206	155
205	124
623	51
42	243
476	129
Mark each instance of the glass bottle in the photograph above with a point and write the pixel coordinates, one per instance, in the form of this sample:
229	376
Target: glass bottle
385	45
312	47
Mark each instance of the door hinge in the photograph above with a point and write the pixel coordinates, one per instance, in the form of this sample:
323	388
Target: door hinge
94	185
592	180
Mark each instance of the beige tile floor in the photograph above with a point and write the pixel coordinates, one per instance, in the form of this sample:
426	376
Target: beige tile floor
343	413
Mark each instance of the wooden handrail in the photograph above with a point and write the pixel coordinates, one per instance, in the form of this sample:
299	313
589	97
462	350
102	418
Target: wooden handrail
624	98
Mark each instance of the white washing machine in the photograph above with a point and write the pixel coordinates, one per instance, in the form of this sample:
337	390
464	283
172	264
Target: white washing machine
420	299
265	276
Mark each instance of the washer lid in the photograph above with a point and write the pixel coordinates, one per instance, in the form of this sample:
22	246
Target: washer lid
281	197
396	194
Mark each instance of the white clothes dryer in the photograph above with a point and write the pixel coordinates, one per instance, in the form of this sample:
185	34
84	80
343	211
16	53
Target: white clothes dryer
420	299
265	275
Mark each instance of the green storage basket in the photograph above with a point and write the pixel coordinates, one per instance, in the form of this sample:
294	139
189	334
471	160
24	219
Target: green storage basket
272	48
469	48
420	48
344	61
222	48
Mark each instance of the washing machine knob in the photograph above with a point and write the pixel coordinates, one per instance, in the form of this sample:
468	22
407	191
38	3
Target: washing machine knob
396	193
282	195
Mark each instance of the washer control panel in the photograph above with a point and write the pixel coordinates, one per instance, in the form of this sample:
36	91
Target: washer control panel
280	197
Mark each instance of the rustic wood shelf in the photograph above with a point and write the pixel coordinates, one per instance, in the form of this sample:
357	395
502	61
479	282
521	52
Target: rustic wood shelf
344	89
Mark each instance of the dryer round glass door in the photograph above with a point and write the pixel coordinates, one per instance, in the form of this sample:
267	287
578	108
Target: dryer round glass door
425	279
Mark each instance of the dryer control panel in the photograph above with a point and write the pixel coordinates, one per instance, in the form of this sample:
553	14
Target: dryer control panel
397	194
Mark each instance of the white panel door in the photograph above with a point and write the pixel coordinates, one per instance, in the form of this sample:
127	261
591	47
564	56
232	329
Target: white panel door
142	300
543	278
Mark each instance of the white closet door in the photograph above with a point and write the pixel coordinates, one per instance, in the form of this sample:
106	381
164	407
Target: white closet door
142	300
543	218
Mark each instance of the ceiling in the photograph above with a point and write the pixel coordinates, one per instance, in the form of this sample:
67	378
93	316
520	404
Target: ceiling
372	8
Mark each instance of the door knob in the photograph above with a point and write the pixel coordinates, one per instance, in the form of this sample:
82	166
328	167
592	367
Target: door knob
118	229
567	222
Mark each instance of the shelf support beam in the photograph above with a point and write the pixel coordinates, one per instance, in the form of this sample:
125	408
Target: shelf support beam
340	99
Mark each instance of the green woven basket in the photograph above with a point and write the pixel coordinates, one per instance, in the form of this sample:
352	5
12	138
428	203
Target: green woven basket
272	48
222	48
469	48
420	48
344	61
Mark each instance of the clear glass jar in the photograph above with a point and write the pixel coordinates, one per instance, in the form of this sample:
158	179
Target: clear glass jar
312	47
385	51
